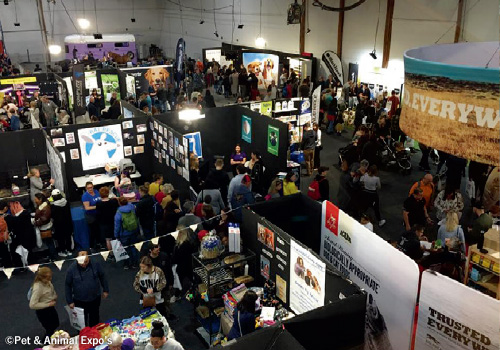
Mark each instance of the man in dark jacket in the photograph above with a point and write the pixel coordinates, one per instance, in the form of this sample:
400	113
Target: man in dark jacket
324	186
92	108
63	225
308	145
220	178
145	212
84	280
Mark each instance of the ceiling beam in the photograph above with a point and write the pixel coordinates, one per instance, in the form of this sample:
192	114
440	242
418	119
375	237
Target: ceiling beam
302	40
460	13
340	30
388	33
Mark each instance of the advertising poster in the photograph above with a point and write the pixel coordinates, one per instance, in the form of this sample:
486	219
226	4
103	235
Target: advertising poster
110	84
266	108
307	279
265	236
80	107
145	77
273	139
391	283
331	65
246	129
91	80
265	267
459	101
194	140
315	104
265	67
100	145
444	325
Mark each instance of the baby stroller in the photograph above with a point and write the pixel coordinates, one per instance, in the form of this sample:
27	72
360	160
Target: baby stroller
397	158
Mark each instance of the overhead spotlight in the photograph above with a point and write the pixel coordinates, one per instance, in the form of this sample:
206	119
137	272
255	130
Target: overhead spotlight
132	20
55	49
260	42
240	26
17	24
83	23
308	31
202	21
216	34
373	54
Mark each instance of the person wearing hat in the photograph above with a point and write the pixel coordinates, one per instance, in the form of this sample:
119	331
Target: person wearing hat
242	195
62	223
115	342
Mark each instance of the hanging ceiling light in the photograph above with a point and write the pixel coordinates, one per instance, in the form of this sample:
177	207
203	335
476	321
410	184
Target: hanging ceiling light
260	42
190	114
83	23
55	49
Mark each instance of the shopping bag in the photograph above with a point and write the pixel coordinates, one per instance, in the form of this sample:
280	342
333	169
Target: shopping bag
89	337
38	238
119	252
177	281
76	317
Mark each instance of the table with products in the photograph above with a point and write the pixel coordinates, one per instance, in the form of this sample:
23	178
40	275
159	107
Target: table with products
99	179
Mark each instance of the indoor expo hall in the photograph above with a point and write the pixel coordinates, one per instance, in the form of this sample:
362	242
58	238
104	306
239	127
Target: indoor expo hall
229	174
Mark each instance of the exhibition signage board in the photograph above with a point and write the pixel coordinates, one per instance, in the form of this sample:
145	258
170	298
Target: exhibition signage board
450	99
273	139
264	66
266	108
388	276
307	279
332	65
316	100
100	145
110	84
246	129
21	80
194	140
453	316
79	90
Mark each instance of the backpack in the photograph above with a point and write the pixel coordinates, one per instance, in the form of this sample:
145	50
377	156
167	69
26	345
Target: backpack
313	191
129	221
4	231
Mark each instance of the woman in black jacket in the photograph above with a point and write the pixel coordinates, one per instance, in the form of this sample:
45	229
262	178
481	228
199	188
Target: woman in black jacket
257	173
63	225
209	100
182	257
173	213
22	232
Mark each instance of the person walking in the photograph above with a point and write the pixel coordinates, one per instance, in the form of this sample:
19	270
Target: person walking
63	225
145	212
43	300
126	227
308	145
150	282
43	221
318	147
85	285
371	183
105	214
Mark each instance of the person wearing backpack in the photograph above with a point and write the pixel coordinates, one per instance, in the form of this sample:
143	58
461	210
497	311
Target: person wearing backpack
4	236
42	297
145	210
319	189
126	227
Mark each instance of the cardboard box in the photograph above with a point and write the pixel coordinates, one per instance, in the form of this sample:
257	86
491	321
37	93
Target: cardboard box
492	239
226	323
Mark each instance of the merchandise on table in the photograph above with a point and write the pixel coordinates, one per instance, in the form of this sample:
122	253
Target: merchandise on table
211	247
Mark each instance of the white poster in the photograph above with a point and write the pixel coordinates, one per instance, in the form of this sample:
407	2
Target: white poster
316	99
453	316
100	145
388	276
307	279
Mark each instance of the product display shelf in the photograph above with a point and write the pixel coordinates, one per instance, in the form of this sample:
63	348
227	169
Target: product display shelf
484	262
216	277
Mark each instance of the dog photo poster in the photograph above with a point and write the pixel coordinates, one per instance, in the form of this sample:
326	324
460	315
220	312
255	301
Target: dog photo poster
100	145
264	66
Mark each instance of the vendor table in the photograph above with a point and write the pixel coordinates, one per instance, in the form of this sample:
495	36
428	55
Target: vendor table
99	179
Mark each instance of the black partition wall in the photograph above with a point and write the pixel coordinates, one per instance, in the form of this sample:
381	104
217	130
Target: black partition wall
221	130
26	147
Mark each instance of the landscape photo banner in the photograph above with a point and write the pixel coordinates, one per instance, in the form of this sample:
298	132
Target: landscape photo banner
442	324
450	99
388	276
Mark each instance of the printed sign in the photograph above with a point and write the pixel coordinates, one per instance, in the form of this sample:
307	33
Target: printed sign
100	145
316	99
273	139
246	129
352	249
194	140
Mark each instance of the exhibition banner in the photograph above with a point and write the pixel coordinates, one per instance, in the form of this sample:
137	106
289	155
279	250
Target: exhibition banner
452	316
450	99
273	139
246	129
266	108
145	78
307	279
388	276
264	66
332	65
110	84
194	140
316	99
100	145
79	90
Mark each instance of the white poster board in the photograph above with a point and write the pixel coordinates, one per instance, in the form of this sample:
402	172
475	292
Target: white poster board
388	276
315	104
453	316
307	279
100	145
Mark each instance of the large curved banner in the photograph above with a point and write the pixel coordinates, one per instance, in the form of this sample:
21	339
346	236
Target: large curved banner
450	99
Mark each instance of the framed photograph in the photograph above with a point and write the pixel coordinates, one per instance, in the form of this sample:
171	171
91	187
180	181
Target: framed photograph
171	151
138	149
141	128
128	124
155	124
152	143
56	132
128	136
179	170
156	153
70	138
127	151
160	129
163	153
141	139
160	140
172	163
160	159
74	153
170	139
155	136
59	142
151	126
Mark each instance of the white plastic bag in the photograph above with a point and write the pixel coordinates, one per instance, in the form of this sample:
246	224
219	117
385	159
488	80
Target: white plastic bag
118	250
76	317
38	238
177	281
470	189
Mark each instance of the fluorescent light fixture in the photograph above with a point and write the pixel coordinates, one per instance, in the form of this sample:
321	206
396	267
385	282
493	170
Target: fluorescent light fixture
260	42
83	23
55	49
190	114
